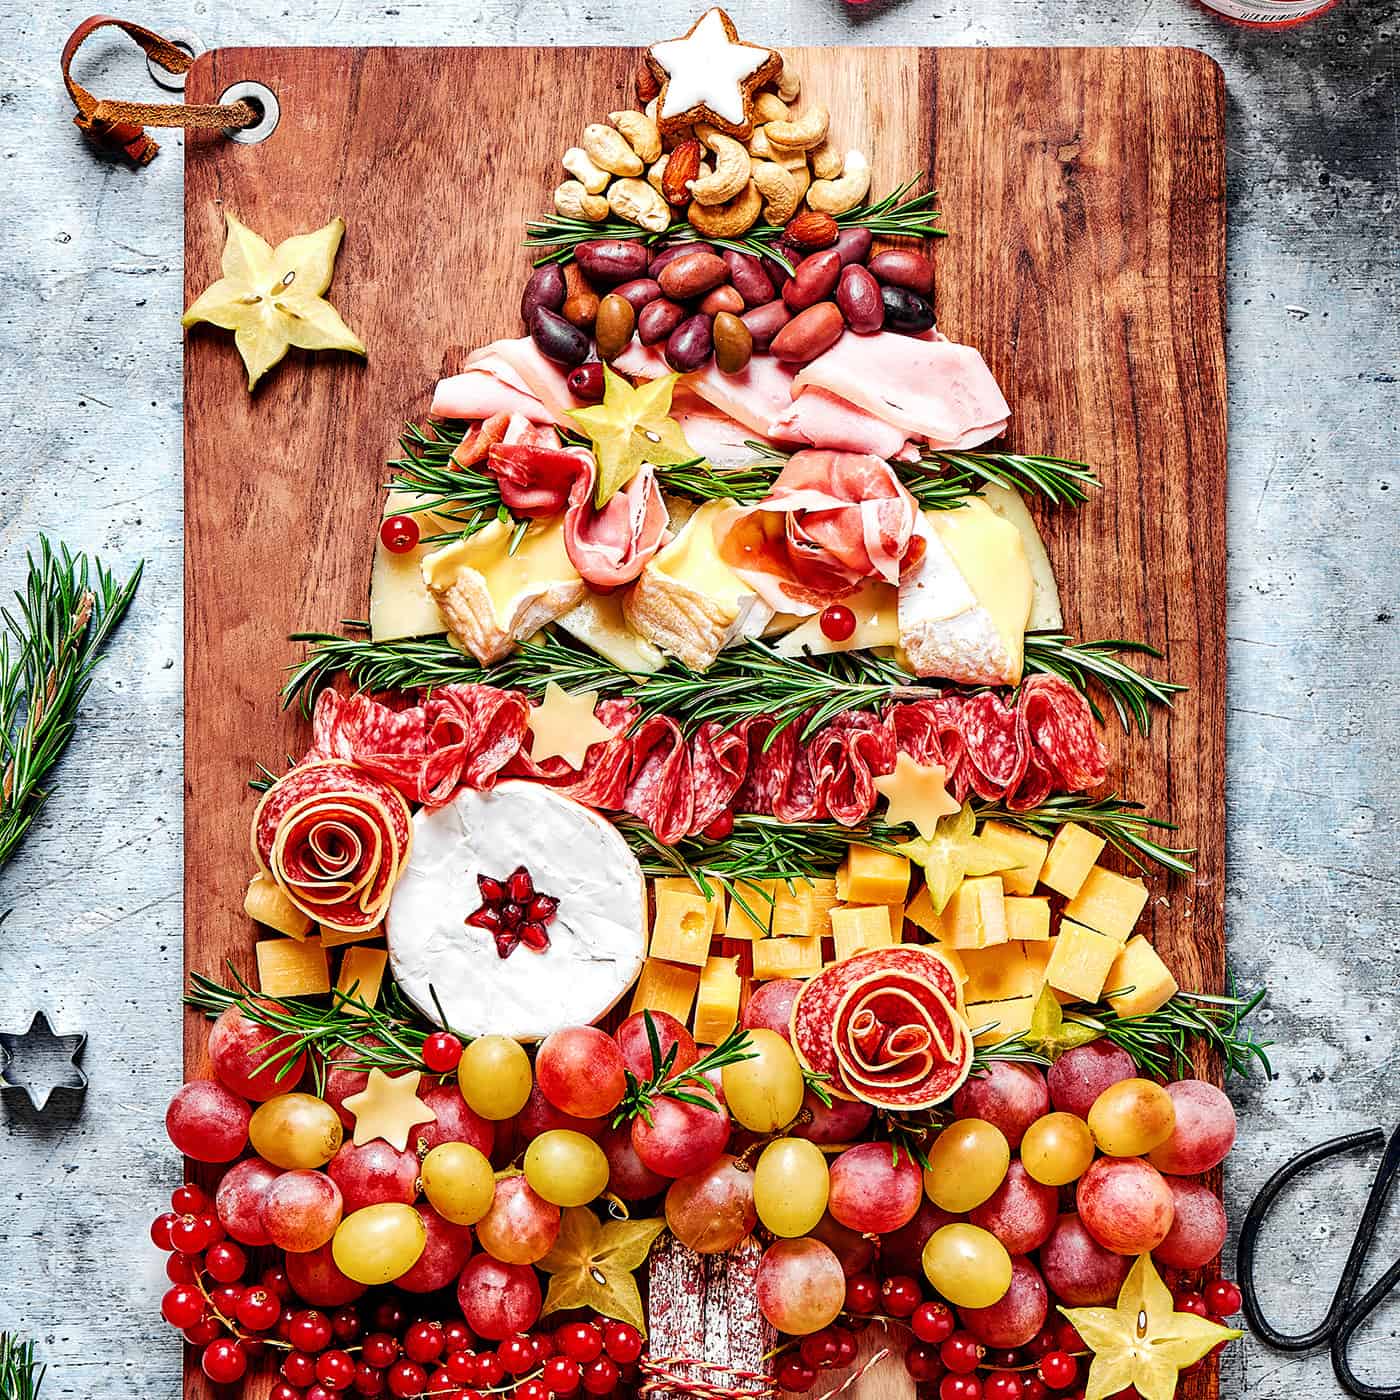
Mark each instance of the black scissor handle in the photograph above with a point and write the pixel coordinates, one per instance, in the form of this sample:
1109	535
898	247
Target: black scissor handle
1346	1329
1249	1243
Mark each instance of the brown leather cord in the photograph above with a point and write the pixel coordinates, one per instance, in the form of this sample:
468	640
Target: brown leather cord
119	126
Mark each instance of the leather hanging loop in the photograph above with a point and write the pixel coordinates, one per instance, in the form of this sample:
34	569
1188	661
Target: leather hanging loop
119	127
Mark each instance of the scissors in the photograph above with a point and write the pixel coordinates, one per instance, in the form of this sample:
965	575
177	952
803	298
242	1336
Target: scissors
1346	1312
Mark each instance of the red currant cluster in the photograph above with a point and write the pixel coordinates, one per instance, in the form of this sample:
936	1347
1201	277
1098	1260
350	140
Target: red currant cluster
373	1349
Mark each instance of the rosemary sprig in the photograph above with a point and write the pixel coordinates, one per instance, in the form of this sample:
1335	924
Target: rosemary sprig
1122	824
1061	480
320	1028
900	214
401	665
20	1374
468	499
49	651
690	1085
1088	664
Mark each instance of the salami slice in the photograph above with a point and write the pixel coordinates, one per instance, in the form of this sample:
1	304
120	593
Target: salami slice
1059	728
659	787
995	753
719	762
846	757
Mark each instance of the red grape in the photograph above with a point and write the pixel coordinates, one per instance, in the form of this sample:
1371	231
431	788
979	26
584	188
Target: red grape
540	1116
770	1006
1080	1075
681	1137
1125	1204
633	1041
316	1279
873	1192
301	1210
342	1083
239	1199
498	1299
456	1121
521	1225
844	1121
902	1250
1021	1212
1204	1132
712	1210
443	1256
207	1121
1007	1095
1080	1271
240	1049
1198	1226
373	1173
580	1069
800	1285
628	1176
1017	1316
854	1250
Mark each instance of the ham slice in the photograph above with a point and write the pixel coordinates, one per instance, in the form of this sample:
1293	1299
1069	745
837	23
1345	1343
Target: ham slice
524	365
826	420
757	398
488	388
931	389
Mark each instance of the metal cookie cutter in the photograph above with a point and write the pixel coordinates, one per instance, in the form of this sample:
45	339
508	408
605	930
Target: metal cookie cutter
36	1062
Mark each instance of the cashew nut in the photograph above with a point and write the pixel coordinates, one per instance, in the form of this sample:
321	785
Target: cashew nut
789	84
803	133
575	202
840	195
643	135
779	191
760	148
769	107
826	161
727	220
657	173
651	109
731	172
577	163
607	147
638	203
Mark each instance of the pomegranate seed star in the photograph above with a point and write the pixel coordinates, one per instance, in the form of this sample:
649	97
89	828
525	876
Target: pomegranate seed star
564	726
389	1109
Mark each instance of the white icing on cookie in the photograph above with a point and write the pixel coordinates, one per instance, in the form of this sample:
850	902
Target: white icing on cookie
708	68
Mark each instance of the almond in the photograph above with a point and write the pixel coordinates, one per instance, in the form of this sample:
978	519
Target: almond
682	166
811	229
648	84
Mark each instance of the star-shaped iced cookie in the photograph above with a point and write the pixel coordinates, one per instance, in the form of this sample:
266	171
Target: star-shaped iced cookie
708	75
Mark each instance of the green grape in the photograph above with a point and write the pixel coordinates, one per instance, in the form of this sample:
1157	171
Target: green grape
379	1243
966	1163
1057	1149
494	1077
968	1266
458	1182
295	1131
764	1092
566	1168
790	1185
1132	1117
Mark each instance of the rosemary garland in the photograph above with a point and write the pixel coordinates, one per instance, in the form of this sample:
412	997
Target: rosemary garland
49	652
691	1085
20	1373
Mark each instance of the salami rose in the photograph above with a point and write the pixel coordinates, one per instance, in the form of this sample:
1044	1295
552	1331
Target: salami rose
335	838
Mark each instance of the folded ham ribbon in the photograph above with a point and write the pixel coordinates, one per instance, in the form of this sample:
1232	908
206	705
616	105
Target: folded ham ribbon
832	520
335	839
608	547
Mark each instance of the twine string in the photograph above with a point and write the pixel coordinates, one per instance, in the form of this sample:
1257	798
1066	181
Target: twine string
716	1382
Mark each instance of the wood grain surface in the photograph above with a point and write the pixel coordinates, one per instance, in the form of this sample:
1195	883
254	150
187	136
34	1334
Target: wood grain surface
1084	190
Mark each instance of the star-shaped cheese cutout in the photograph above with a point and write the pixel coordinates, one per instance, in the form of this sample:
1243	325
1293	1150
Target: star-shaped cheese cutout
710	68
952	853
389	1109
917	794
632	426
564	726
1142	1342
594	1266
1050	1034
274	298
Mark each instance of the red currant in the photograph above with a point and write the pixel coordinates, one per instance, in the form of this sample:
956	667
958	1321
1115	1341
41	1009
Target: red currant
380	1350
320	1392
819	1350
310	1330
224	1361
901	1295
204	1331
225	1299
424	1342
189	1200
1223	1298
460	1366
795	1374
345	1324
959	1388
258	1310
961	1353
720	827
406	1378
190	1234
581	1341
1002	1385
457	1335
933	1322
225	1262
389	1317
922	1362
543	1345
276	1281
1000	1358
1033	1388
335	1370
862	1294
181	1268
561	1375
532	1390
517	1355
282	1391
1191	1303
490	1370
368	1380
399	533
160	1230
182	1306
600	1376
621	1342
838	623
298	1368
1043	1343
1058	1370
1067	1338
845	1345
442	1052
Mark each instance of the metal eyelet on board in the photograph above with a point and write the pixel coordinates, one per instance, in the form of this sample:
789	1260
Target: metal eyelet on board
185	39
264	100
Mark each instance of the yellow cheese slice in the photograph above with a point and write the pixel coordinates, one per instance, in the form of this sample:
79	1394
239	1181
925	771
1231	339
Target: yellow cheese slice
598	623
876	607
399	602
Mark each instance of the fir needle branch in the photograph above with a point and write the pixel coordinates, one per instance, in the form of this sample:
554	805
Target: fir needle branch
20	1374
1087	664
49	653
1124	825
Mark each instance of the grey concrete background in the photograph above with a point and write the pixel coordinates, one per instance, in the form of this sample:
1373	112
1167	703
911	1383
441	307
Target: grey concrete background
90	450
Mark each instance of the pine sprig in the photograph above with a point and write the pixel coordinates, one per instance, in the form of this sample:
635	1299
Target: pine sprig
1086	665
690	1085
20	1373
49	652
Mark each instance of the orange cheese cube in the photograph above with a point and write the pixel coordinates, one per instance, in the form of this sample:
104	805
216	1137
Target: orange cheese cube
1027	919
858	929
337	938
1081	961
266	903
975	917
288	968
998	973
1139	982
361	977
1109	903
717	1006
755	921
665	987
787	957
1072	856
804	909
682	885
1024	854
874	876
681	930
995	1021
919	911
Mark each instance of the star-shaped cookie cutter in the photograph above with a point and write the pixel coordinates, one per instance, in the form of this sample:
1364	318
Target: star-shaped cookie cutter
36	1062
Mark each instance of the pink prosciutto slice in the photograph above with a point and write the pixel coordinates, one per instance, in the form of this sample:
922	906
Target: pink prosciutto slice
826	420
609	547
488	388
931	389
542	378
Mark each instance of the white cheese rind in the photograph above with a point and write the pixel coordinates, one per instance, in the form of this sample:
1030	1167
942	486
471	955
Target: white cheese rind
597	938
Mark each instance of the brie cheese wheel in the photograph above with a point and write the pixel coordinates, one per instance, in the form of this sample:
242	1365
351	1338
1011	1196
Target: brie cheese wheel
963	608
596	940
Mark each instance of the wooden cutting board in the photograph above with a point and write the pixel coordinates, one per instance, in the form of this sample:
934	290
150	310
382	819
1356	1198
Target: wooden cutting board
1084	191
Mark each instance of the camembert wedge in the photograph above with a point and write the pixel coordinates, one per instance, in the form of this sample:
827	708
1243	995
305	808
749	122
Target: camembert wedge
490	597
688	601
963	608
